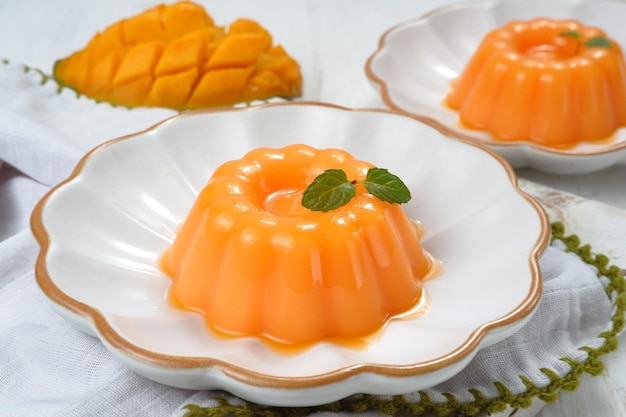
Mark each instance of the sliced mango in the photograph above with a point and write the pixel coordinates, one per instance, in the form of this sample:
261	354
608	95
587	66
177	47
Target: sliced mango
174	56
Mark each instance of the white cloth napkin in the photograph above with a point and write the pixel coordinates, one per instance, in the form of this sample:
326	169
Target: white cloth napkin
49	368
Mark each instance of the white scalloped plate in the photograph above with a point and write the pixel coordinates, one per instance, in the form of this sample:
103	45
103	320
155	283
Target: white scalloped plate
103	229
416	61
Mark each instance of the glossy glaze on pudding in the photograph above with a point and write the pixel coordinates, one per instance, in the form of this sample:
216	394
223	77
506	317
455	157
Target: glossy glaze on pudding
544	81
253	261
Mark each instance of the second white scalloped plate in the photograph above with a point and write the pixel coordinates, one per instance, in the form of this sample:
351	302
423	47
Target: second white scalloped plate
103	230
416	61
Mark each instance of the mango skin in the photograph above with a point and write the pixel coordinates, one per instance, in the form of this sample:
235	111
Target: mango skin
175	56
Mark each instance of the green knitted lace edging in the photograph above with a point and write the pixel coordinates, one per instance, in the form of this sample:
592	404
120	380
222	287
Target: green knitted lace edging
399	405
45	78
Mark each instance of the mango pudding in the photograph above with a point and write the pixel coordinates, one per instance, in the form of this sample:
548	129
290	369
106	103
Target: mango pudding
555	83
255	262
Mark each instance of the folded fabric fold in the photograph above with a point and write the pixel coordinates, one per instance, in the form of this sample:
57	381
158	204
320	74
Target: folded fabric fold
81	121
44	130
48	367
35	150
573	310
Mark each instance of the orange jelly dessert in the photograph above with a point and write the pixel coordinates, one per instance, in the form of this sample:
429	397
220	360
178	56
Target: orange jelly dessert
556	83
254	261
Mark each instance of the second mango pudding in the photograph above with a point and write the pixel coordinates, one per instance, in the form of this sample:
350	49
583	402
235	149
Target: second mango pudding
254	261
553	82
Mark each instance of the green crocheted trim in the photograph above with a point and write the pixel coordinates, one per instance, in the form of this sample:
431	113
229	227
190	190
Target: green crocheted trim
60	86
399	405
45	78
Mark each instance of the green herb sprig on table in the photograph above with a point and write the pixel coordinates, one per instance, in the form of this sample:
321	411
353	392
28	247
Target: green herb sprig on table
332	189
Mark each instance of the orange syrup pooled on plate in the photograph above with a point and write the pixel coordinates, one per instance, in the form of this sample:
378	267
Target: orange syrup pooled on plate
254	262
287	348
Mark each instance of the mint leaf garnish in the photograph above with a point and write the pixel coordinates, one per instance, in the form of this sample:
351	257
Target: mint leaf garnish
386	186
328	191
598	41
595	42
332	189
570	33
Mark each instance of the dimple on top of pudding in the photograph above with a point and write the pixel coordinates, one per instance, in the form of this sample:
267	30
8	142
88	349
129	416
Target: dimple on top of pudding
553	82
254	261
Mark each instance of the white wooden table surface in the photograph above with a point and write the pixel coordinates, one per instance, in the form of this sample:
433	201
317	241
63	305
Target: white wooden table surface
331	40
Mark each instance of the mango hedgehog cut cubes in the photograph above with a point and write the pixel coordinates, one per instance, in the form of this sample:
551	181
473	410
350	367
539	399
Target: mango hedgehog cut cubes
174	56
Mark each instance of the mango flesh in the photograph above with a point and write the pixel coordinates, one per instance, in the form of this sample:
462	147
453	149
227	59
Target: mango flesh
174	56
